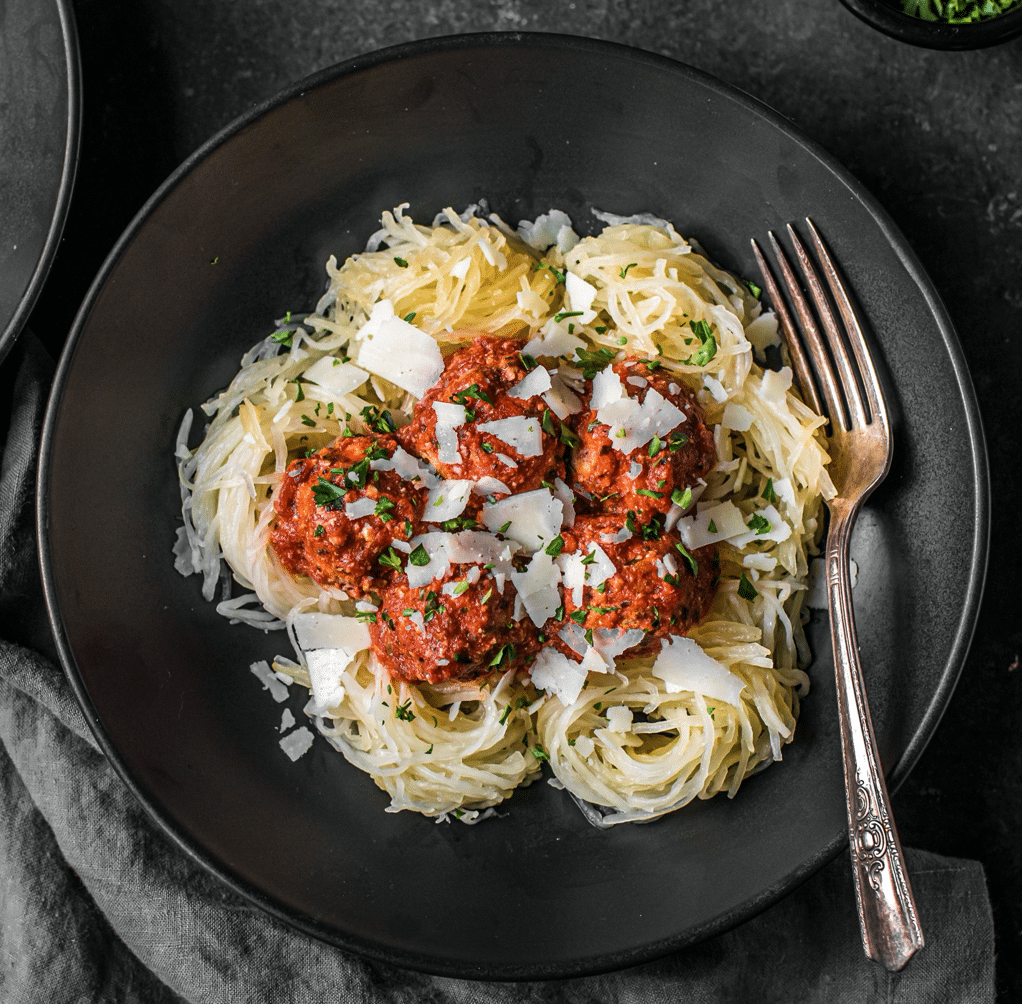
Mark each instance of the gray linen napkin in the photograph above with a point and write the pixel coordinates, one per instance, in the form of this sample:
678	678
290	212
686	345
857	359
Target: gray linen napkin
96	905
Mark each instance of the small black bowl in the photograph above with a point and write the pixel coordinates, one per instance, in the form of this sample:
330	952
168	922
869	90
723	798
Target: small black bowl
885	17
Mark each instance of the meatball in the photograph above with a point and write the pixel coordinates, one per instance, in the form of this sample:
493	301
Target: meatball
479	377
653	587
644	479
326	529
451	629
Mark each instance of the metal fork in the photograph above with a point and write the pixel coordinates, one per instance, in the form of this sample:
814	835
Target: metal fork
860	449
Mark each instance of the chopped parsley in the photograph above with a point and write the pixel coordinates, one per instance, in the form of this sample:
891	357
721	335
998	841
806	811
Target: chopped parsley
567	313
319	531
555	546
527	361
311	422
593	360
746	589
400	262
548	423
649	493
390	559
471	393
689	558
326	492
682	498
759	523
460	587
655	445
539	753
708	348
404	712
383	507
569	438
624	271
419	557
768	493
757	291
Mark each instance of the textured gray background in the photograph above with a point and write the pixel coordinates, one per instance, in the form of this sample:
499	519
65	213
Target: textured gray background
935	136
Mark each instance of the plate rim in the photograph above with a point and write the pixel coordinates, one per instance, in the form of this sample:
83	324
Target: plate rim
936	705
72	146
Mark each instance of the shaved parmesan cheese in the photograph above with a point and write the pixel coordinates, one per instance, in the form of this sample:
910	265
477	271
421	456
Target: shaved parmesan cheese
736	417
532	384
550	228
553	341
573	573
776	383
287	719
634	424
408	468
612	642
399	352
574	637
584	746
617	538
359	508
715	387
460	269
325	668
555	673
448	418
535	517
491	486
779	529
506	460
561	399
316	630
762	332
606	389
567	497
522	433
297	743
447	500
785	492
537	587
334	376
579	295
683	665
269	680
761	562
619	719
727	521
638	381
436	547
473	547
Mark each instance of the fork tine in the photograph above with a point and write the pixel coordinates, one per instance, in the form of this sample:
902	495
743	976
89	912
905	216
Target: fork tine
799	362
831	392
856	412
870	380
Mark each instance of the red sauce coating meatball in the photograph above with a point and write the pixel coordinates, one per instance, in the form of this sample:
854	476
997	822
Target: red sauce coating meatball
432	634
479	377
637	595
685	455
314	536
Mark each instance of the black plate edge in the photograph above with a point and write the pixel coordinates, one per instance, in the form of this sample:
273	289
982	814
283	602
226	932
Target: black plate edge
768	897
71	147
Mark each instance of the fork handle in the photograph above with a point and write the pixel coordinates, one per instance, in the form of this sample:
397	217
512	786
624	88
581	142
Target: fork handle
888	920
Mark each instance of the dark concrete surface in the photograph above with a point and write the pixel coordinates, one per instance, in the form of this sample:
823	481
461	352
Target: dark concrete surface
936	137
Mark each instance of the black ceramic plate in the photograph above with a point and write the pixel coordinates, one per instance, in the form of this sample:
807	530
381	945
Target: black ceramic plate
238	235
39	124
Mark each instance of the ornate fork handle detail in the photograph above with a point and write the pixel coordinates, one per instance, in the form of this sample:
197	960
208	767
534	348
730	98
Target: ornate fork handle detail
891	933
